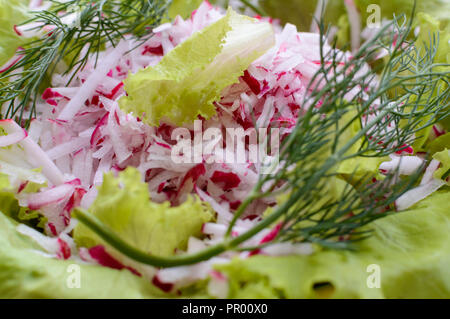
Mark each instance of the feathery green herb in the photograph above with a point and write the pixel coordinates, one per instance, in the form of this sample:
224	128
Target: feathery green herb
95	24
411	94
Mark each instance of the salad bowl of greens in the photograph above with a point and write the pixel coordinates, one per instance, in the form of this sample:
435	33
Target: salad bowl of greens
234	149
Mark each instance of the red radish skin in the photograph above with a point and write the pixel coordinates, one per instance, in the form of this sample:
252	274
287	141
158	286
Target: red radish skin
166	287
65	251
229	180
100	254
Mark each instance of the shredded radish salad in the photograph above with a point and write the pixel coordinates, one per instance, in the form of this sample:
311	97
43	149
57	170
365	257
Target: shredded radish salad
81	133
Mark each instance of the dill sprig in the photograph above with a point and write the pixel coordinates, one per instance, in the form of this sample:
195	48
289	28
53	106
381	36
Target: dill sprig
95	24
411	94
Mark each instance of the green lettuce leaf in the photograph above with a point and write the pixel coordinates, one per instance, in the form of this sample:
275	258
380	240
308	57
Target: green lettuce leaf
300	12
124	205
343	32
439	144
191	77
10	205
412	250
11	12
357	167
446	123
444	170
432	32
430	27
26	274
183	8
334	190
438	8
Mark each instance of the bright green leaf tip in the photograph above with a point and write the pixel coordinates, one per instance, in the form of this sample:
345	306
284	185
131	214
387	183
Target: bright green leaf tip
191	77
123	204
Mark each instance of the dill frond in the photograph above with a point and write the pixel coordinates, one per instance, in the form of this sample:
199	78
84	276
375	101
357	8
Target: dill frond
411	93
97	23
